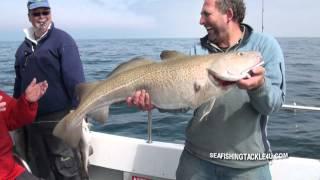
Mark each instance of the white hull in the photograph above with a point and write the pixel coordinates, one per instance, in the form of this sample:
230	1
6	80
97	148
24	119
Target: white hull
123	158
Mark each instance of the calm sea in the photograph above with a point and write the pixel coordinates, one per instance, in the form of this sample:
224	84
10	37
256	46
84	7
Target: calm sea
296	133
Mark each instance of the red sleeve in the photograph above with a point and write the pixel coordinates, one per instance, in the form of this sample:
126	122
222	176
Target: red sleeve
18	112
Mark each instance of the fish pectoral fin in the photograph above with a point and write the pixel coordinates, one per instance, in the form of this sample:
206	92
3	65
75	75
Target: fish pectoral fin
207	108
171	55
100	115
83	89
196	87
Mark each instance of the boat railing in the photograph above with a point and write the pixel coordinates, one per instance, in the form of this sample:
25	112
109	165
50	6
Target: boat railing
292	107
149	140
295	107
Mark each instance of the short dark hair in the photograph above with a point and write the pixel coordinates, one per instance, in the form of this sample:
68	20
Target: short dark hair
238	7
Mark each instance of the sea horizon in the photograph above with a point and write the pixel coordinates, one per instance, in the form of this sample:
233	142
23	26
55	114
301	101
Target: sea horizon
154	38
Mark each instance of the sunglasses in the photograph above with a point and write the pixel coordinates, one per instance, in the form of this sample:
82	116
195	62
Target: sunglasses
37	14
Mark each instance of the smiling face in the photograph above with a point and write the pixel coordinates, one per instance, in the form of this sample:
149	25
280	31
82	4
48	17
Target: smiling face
214	21
40	19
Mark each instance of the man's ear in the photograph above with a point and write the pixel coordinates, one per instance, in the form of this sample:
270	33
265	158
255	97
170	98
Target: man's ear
229	14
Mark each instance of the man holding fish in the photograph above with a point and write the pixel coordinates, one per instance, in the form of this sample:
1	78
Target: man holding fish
234	124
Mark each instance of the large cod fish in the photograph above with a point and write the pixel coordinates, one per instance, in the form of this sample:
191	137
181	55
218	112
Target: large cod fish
178	82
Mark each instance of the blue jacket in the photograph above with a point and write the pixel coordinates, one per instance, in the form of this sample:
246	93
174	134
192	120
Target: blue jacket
54	58
238	121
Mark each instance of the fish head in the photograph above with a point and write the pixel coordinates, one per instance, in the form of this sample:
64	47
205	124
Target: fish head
227	68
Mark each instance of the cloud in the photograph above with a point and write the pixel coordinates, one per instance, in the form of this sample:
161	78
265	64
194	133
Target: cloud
163	18
98	2
104	14
120	5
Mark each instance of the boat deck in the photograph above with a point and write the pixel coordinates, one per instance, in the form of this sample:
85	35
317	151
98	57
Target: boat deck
124	158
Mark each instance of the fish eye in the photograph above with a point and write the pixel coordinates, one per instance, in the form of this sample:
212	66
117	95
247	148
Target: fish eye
240	53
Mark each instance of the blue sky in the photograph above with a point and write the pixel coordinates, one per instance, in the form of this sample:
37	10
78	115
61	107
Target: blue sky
90	19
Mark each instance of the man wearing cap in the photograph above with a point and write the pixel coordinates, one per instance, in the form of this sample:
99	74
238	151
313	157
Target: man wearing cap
51	54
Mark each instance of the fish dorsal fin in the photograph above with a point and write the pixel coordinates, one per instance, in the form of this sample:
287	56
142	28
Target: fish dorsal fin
131	64
171	55
83	89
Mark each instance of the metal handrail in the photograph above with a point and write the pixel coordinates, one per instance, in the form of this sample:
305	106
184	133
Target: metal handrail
149	127
294	106
22	162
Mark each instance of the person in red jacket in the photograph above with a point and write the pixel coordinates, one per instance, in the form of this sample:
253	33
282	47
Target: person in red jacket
15	113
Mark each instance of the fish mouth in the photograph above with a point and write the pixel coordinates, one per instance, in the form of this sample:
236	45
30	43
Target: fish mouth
218	81
247	71
230	78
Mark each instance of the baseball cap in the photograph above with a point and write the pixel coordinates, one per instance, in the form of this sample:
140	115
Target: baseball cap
33	4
